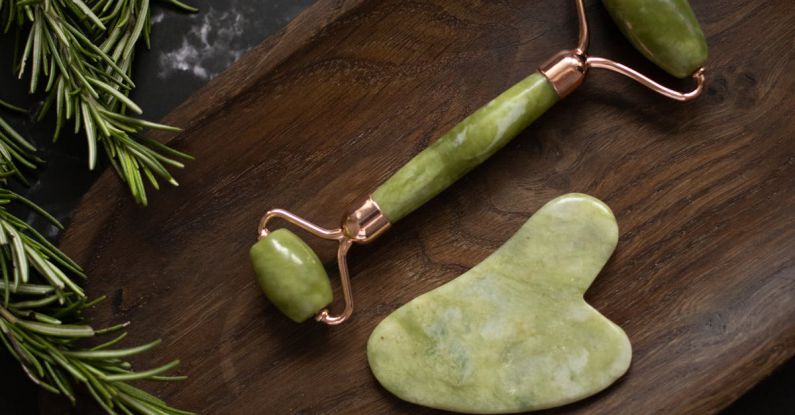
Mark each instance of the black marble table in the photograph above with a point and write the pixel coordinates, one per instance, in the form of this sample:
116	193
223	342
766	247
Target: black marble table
187	51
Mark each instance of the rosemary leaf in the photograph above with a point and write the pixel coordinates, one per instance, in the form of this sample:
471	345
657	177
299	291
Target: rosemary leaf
81	52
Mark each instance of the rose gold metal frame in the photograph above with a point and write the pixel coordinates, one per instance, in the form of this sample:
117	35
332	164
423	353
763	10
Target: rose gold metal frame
566	70
362	226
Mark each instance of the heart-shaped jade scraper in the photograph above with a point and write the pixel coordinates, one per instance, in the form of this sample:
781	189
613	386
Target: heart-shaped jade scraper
514	333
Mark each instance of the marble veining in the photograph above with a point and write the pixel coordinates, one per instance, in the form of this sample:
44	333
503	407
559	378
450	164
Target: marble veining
220	34
208	47
513	333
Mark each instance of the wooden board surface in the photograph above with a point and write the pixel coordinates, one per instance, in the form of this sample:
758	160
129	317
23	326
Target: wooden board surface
703	280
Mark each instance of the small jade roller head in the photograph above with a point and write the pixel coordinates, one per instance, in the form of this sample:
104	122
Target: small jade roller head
292	276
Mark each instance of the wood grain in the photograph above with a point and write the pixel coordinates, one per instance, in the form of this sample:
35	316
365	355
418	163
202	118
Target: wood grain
703	280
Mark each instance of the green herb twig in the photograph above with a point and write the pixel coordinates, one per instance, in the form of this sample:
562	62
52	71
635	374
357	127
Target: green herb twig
46	349
80	54
41	323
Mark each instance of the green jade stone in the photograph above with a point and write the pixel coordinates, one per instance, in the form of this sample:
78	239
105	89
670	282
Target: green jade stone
291	275
464	147
665	31
514	333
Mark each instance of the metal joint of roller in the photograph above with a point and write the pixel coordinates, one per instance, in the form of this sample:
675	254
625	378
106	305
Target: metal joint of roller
366	223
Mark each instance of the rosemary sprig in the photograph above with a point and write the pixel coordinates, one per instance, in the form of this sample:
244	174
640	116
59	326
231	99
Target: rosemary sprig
41	305
46	348
80	54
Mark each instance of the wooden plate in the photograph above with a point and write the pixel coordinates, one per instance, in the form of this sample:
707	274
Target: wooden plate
703	280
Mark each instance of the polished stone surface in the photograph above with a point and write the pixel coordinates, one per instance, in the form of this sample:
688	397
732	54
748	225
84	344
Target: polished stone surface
465	146
291	275
513	333
665	31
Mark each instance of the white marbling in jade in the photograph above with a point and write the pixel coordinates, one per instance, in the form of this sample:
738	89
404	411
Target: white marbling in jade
512	334
465	146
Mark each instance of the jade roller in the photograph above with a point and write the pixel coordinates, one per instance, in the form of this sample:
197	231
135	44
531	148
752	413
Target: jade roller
291	274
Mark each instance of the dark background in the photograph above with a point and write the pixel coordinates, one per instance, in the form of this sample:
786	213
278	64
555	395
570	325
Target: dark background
187	51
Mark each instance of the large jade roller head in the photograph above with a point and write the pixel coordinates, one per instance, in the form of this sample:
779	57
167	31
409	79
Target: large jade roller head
292	276
665	31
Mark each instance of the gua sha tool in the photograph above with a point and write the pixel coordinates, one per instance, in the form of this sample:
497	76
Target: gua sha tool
513	333
292	276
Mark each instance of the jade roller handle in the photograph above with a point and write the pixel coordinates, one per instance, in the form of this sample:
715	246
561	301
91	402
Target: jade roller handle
465	146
